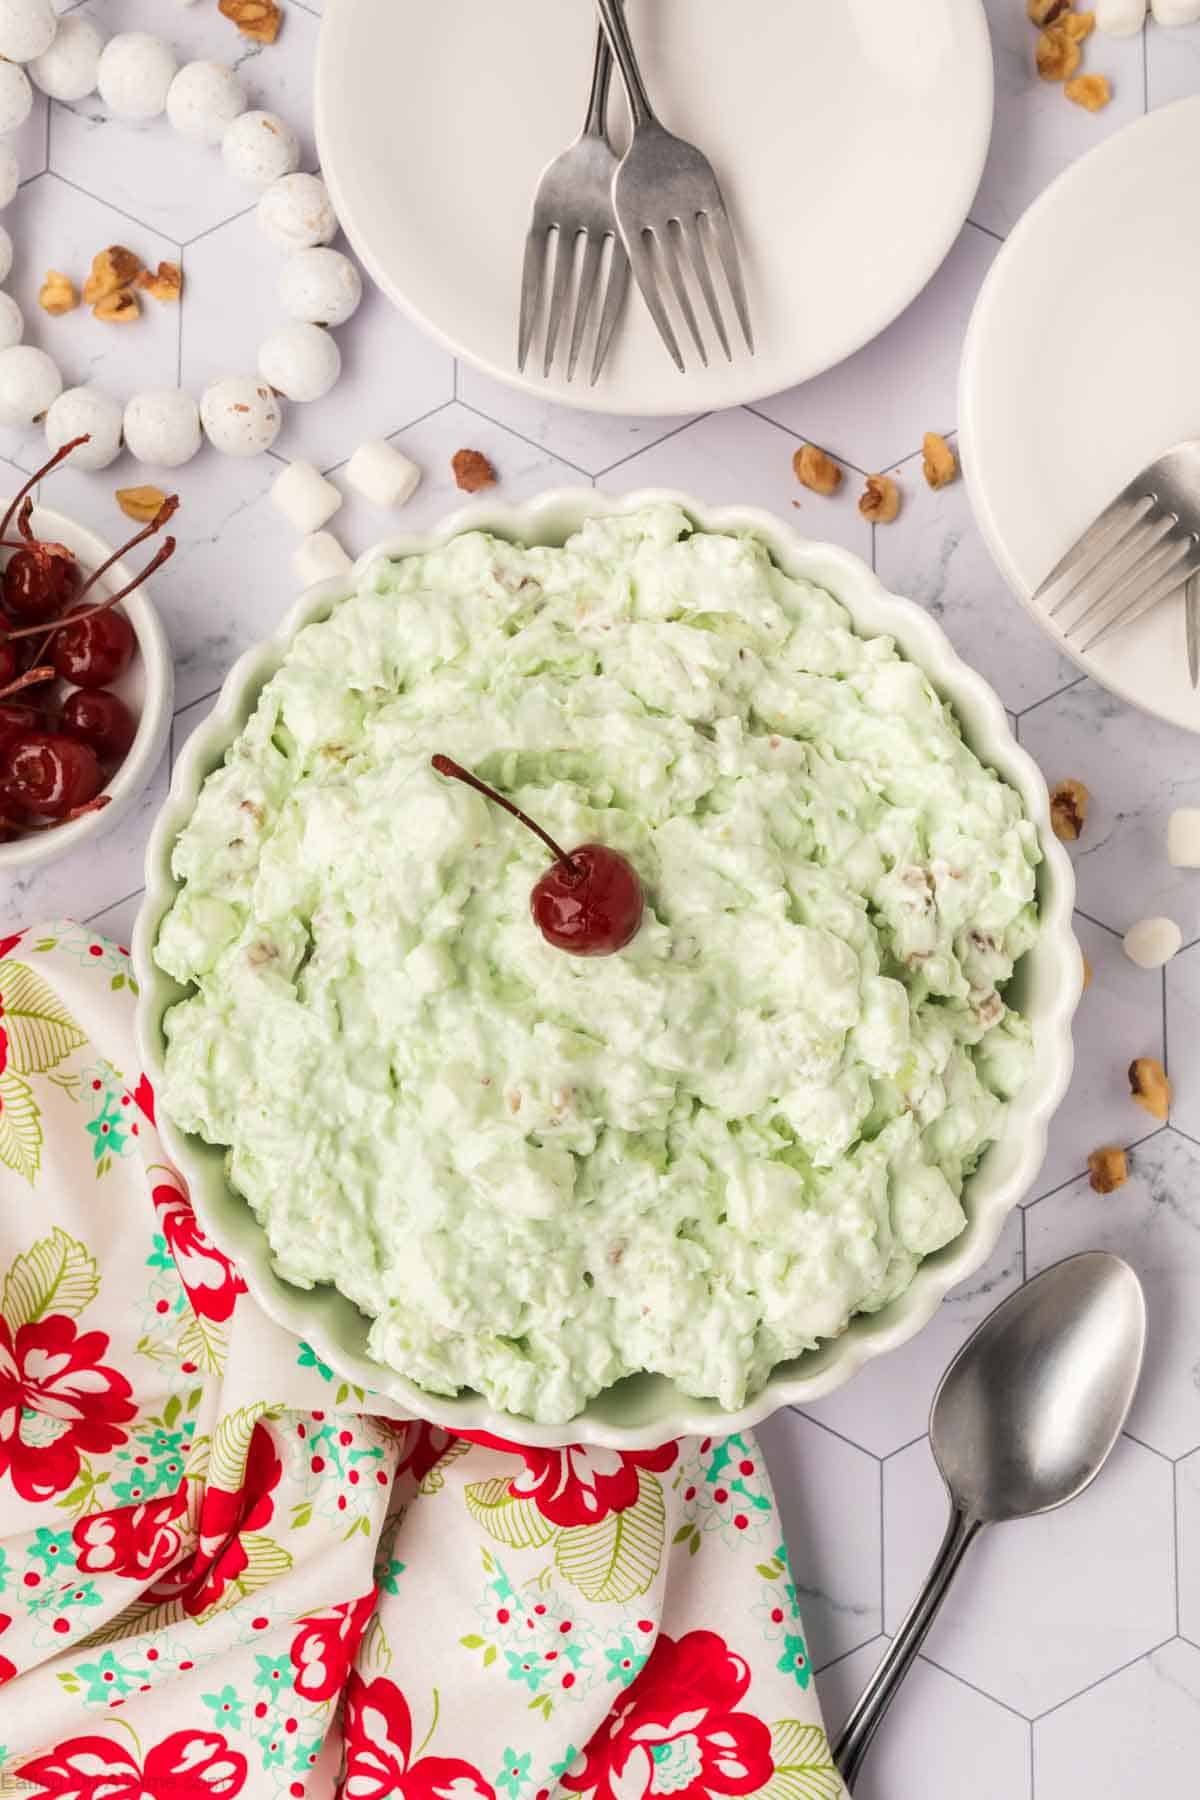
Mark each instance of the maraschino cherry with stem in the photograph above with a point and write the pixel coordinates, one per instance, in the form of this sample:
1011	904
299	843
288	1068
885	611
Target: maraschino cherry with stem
589	902
41	577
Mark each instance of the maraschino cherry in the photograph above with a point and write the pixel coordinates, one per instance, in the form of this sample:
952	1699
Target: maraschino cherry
589	902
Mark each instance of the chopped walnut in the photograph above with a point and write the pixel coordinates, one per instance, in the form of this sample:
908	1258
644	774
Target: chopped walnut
112	269
472	471
1078	25
166	283
1045	12
1087	974
257	19
813	469
1089	91
1149	1086
118	309
880	500
1057	54
940	465
57	294
1107	1169
140	503
1069	810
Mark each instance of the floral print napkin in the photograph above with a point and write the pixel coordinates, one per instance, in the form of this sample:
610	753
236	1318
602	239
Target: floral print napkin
224	1571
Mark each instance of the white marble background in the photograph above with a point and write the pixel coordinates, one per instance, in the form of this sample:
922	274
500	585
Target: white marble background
1067	1661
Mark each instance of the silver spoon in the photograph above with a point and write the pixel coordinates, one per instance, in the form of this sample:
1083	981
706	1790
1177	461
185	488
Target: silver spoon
1023	1420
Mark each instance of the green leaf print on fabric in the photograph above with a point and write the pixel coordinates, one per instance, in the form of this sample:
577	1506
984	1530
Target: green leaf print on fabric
265	1562
804	1768
56	1275
231	1446
308	1359
20	1127
511	1521
202	1342
619	1556
41	1032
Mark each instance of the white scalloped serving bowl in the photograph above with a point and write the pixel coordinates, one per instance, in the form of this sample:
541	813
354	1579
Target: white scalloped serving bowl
644	1410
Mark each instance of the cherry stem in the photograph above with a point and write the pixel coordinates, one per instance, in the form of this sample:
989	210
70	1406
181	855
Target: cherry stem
30	678
165	550
445	766
166	511
97	804
59	456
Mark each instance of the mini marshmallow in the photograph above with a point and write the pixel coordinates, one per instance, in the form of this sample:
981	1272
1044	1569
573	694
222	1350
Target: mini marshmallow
86	409
321	287
240	415
1176	12
203	101
1152	942
296	212
135	73
30	383
1183	838
382	475
162	427
258	148
16	97
302	362
1120	18
10	174
6	254
319	558
68	70
27	29
304	497
12	322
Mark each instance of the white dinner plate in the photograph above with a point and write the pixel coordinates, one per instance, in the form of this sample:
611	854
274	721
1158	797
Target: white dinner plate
1081	365
848	135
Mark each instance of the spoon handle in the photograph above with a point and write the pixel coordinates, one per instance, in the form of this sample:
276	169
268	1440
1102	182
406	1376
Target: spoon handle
880	1691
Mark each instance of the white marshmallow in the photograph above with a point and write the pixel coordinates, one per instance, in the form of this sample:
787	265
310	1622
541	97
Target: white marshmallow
86	409
10	173
68	70
304	497
135	73
1183	838
296	212
6	254
1152	942
258	148
162	427
203	101
302	362
27	28
382	475
1120	18
240	415
322	287
30	383
319	558
1176	12
12	322
16	97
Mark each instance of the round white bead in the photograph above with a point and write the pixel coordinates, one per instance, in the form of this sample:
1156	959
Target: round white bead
12	322
301	361
203	101
27	28
381	474
162	427
1120	18
1152	942
30	383
6	254
16	97
296	212
135	73
319	558
304	497
1176	12
1183	838
80	410
258	148
320	287
240	415
68	70
10	173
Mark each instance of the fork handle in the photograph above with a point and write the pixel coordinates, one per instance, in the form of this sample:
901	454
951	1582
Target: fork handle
617	32
596	123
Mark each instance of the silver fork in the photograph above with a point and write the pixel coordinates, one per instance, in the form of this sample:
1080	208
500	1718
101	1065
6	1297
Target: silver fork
1141	550
573	200
667	197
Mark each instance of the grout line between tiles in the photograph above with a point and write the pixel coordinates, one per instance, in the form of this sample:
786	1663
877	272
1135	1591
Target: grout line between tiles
684	425
102	200
974	1686
1056	695
1107	1676
521	437
123	901
1175	1545
409	425
840	1435
798	437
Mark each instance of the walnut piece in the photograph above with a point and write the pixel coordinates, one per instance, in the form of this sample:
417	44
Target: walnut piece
1089	91
940	465
880	500
1149	1086
1078	25
472	471
814	470
118	309
1107	1169
1087	974
257	19
140	503
166	282
1057	54
1045	12
1069	810
112	269
57	294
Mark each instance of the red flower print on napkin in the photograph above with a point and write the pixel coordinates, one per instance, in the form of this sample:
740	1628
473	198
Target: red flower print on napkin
324	1646
209	1278
188	1765
143	1098
377	1729
135	1541
583	1483
7	1669
224	1515
54	1369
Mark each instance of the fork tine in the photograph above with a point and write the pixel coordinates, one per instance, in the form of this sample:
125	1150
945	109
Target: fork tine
642	264
1107	529
593	249
699	261
1145	602
727	249
1119	570
531	287
614	299
1158	559
670	256
564	256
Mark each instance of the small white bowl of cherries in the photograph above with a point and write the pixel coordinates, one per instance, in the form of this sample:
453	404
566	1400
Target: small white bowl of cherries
86	677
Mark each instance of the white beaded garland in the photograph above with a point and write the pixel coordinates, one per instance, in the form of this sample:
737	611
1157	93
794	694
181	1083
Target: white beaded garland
68	69
30	383
320	287
162	427
302	362
296	212
258	148
10	174
240	415
6	254
135	73
83	410
203	101
27	28
16	96
12	322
